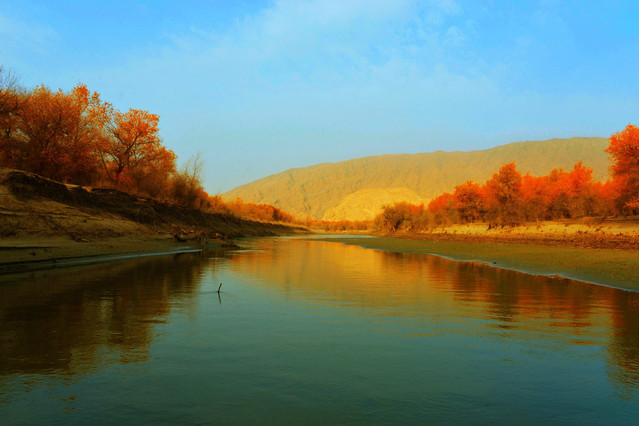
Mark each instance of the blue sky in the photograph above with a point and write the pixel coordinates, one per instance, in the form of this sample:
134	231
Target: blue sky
262	86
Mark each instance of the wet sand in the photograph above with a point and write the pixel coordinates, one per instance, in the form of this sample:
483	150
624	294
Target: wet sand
32	253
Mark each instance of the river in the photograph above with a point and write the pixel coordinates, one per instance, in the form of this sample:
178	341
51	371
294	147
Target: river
313	332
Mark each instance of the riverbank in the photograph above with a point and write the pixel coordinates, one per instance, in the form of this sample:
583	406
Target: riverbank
618	233
29	253
42	220
616	268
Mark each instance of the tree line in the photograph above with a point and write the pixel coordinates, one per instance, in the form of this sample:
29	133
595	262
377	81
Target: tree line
76	137
509	198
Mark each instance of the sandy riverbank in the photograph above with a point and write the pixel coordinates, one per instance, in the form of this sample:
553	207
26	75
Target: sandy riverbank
621	233
617	268
32	252
42	220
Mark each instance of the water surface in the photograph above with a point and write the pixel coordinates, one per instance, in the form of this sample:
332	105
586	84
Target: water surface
314	332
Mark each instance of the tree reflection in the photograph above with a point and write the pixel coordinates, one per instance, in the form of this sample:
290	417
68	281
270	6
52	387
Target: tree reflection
70	321
516	305
75	320
624	347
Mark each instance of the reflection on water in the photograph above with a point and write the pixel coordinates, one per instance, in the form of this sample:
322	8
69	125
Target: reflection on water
70	321
311	331
517	305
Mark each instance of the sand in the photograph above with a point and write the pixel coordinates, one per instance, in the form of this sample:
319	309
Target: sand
29	253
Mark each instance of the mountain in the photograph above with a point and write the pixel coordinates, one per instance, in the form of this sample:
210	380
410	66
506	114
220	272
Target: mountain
333	190
366	203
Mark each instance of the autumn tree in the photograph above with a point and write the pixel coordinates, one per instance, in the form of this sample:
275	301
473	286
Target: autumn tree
132	154
54	134
76	137
442	208
504	196
608	193
83	132
624	153
604	195
217	204
186	184
469	201
535	197
571	194
259	212
402	216
11	96
581	192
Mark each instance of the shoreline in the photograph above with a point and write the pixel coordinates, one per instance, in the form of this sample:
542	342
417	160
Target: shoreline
607	267
27	254
14	268
45	224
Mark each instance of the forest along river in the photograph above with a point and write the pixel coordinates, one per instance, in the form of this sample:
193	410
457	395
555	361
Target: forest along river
314	332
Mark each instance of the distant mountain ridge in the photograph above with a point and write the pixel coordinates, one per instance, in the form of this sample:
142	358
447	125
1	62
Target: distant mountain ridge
323	188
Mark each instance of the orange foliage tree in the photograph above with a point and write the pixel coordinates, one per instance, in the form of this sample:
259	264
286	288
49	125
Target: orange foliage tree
573	194
469	201
535	197
54	134
442	209
259	212
503	192
509	199
624	152
132	154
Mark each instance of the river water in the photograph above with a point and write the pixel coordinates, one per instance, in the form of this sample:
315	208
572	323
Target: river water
314	332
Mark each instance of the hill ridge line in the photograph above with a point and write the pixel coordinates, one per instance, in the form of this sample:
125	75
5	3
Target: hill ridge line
313	190
415	153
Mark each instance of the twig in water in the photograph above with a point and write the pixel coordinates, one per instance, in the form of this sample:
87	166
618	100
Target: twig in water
218	289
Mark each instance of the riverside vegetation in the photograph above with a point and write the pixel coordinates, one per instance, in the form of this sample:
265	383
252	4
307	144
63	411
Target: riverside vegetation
77	138
80	178
599	213
356	190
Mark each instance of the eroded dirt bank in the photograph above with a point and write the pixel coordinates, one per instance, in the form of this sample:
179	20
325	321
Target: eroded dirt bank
41	219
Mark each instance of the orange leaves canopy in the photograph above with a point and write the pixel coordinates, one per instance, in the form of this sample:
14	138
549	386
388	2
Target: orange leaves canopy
75	137
469	201
624	152
132	153
53	134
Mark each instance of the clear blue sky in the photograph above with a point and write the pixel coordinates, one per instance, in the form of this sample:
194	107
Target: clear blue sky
262	86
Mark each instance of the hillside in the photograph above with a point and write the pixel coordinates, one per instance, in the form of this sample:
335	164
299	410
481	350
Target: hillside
366	203
317	190
41	219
